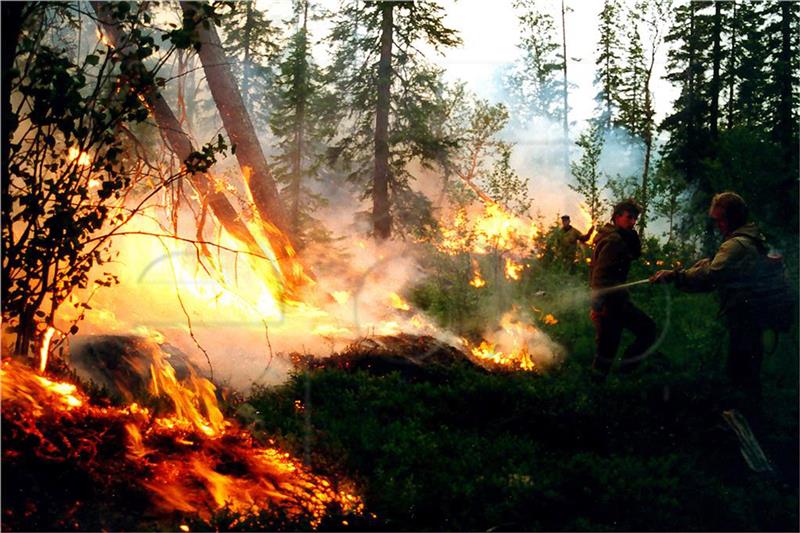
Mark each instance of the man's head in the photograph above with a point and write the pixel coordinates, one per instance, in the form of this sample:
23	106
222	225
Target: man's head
565	221
729	211
625	214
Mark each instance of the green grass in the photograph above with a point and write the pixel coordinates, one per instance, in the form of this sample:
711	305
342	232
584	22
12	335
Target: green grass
459	449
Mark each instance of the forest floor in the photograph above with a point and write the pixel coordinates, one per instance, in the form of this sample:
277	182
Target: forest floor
452	447
446	445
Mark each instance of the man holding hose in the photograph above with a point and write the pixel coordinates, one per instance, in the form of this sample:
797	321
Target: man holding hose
732	272
615	247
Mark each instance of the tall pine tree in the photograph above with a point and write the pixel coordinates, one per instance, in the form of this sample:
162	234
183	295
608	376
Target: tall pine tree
253	40
608	77
298	121
534	85
388	94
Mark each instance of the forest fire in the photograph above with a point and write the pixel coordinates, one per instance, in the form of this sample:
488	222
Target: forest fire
516	345
493	229
191	461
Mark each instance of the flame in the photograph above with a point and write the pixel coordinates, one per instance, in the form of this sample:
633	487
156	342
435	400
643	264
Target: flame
515	359
45	350
493	229
516	345
398	302
476	281
83	158
341	297
587	222
550	320
513	269
183	465
102	37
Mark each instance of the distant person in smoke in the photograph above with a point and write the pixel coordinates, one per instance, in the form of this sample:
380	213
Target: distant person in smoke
734	272
567	243
615	247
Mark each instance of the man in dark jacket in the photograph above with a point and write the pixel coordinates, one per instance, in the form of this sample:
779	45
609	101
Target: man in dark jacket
615	247
732	272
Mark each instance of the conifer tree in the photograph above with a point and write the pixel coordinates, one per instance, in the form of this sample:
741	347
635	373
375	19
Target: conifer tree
252	40
688	143
751	68
299	103
608	75
586	171
534	84
387	95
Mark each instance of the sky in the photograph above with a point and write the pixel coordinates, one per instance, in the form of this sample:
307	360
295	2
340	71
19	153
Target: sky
490	33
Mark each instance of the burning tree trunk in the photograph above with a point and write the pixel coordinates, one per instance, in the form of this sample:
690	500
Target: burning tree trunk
382	222
237	121
181	145
178	140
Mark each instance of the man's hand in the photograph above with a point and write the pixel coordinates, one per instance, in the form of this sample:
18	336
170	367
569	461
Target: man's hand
663	276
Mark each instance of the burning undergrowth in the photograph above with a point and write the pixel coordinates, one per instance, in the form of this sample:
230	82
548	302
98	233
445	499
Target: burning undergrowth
72	463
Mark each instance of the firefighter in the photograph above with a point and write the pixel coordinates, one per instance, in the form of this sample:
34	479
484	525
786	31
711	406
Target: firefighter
615	247
732	272
567	242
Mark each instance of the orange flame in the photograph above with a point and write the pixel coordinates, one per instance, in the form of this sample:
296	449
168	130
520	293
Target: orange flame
491	230
45	350
184	464
513	269
398	302
83	158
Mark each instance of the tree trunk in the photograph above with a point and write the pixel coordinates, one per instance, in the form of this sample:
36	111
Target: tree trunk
715	80
732	66
246	70
300	119
647	131
565	90
381	218
181	145
783	76
239	127
691	136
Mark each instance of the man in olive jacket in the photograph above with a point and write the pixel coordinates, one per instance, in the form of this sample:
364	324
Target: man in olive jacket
567	244
615	247
732	272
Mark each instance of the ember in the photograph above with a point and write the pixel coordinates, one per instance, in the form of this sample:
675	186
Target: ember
193	461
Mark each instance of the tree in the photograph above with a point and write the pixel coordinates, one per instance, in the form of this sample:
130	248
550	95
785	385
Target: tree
609	66
564	87
387	96
653	13
68	169
257	174
298	121
506	186
668	189
131	66
751	70
252	39
587	174
533	84
631	89
688	144
782	87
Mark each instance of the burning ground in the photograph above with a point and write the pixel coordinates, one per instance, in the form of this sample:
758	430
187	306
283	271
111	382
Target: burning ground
70	463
